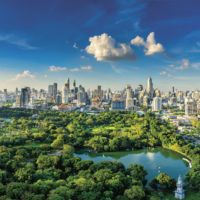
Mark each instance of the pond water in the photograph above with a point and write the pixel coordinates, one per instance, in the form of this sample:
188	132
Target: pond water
155	161
4	119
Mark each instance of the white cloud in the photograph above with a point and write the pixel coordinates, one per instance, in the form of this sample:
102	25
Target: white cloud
150	45
17	41
83	57
103	49
25	74
86	67
45	76
196	66
185	64
55	69
165	73
75	70
172	66
75	46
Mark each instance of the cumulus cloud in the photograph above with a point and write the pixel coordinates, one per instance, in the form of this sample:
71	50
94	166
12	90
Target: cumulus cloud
185	64
172	66
75	70
83	57
150	45
86	67
25	74
169	56
103	48
165	73
75	46
55	69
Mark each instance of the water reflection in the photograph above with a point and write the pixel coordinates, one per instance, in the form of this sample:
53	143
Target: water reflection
155	161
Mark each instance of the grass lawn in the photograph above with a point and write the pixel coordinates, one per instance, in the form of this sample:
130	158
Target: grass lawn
190	194
35	144
34	129
100	129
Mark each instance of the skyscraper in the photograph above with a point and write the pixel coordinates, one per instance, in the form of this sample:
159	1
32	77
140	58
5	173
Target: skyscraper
50	90
99	91
16	91
74	85
150	88
54	91
67	84
65	95
172	89
25	96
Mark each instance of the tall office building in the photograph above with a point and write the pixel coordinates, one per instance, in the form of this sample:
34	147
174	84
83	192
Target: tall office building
25	96
157	104
67	84
74	85
65	95
50	90
150	88
99	91
54	91
16	91
172	89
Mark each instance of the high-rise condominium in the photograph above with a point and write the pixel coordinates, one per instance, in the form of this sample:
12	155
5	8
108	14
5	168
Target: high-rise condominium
157	104
150	88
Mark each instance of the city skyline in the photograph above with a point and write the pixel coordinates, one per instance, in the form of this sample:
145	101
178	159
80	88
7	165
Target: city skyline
111	44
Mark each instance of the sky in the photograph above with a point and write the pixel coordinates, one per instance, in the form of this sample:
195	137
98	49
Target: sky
109	43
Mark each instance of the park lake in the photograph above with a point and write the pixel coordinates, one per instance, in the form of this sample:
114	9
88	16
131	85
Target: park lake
155	161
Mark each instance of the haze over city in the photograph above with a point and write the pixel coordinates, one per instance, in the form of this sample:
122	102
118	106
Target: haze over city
107	43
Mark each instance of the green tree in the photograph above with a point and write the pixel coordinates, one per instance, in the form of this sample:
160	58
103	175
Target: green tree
135	192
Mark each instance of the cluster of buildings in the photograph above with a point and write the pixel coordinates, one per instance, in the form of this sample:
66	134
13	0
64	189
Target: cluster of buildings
70	98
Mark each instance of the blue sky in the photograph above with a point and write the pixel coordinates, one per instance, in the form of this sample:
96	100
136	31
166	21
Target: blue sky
100	43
